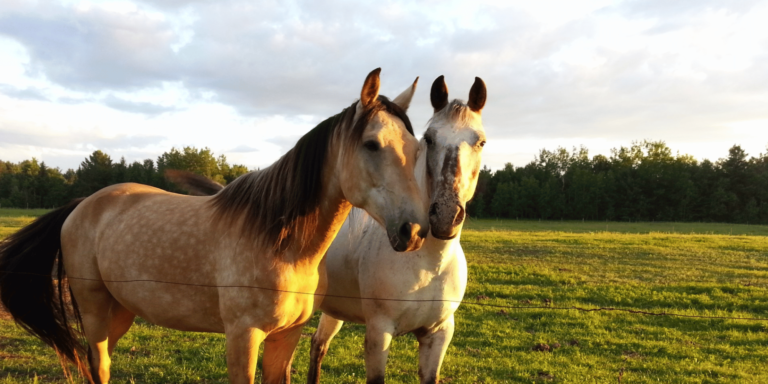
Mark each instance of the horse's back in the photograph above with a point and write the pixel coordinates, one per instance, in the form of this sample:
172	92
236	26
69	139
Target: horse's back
114	206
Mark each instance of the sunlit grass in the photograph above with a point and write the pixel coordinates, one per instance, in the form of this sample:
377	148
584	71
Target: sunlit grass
615	226
702	269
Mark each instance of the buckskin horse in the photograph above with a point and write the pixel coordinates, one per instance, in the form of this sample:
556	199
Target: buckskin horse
238	263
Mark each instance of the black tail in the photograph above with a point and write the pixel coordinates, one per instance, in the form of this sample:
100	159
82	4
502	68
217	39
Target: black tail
193	183
30	293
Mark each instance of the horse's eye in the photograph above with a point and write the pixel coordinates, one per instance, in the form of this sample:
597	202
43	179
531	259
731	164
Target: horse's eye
371	145
482	143
429	140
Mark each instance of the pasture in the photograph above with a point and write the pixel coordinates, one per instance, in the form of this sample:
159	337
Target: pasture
691	269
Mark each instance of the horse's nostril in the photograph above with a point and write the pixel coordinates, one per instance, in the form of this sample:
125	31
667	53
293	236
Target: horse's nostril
459	216
433	209
405	230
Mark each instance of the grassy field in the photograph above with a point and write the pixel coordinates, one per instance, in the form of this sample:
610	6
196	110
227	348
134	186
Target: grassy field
613	226
11	219
693	269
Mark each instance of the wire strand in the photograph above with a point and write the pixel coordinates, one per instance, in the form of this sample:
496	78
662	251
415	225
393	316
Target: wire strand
498	306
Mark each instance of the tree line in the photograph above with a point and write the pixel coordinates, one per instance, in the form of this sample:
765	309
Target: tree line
33	184
642	182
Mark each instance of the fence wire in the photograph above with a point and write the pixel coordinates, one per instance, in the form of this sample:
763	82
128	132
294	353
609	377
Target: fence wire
475	303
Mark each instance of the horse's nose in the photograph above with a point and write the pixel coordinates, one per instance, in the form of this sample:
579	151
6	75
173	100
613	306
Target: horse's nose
444	219
455	213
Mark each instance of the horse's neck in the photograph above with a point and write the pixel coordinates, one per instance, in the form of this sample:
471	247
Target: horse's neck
330	216
333	212
439	251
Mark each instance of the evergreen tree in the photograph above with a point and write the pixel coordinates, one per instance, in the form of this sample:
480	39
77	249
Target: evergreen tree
644	181
95	173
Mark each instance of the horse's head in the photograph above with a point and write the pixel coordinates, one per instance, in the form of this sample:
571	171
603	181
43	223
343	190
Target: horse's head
454	141
377	170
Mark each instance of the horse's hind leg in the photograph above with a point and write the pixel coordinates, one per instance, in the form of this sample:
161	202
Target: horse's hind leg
278	356
121	322
321	340
95	304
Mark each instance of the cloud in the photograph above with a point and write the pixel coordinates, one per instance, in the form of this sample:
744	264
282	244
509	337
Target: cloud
148	109
174	4
243	149
284	142
34	136
73	100
630	70
93	49
683	8
23	94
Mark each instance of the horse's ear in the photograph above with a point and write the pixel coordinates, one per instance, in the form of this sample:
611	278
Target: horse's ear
403	100
477	95
370	91
439	94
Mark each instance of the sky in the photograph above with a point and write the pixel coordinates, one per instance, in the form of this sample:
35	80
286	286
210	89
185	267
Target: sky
248	78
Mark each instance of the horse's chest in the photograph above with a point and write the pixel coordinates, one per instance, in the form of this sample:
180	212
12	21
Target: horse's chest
425	285
293	297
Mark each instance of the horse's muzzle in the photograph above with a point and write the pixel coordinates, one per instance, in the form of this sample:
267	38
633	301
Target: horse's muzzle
445	219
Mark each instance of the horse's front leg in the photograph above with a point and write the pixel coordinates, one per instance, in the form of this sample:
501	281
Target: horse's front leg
378	337
278	355
321	340
432	346
243	353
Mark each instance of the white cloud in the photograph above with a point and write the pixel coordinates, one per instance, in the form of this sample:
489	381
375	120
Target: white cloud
240	75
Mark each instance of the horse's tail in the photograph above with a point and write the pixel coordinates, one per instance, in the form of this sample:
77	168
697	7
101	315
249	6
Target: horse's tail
32	295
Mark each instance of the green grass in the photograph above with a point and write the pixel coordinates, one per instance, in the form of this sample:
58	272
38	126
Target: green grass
694	269
21	212
614	226
11	219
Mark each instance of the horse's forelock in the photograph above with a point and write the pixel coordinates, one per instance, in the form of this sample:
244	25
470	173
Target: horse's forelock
383	104
457	112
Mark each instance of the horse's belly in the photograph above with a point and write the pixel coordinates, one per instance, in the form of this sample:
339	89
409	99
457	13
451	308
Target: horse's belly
344	309
423	316
186	308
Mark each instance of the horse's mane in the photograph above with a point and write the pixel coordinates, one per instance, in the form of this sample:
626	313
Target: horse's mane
281	202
